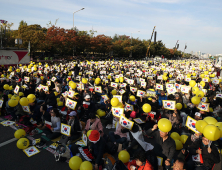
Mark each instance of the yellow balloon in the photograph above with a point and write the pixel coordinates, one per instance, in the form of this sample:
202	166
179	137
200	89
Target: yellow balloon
9	96
200	125
12	102
6	87
84	81
211	132
101	113
195	100
120	105
164	125
15	97
56	93
210	120
200	94
72	84
20	133
75	162
114	92
132	98
31	98
192	83
117	80
60	103
183	138
146	108
179	145
22	143
109	76
21	94
88	133
179	106
175	136
24	101
124	156
121	79
114	101
202	83
195	90
86	165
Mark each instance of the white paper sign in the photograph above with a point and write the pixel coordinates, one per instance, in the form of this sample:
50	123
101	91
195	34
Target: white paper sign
169	104
190	123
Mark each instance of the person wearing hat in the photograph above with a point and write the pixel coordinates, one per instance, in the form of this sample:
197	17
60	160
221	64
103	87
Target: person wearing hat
75	126
97	147
86	108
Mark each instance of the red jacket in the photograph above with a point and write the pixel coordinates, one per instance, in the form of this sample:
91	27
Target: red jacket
147	166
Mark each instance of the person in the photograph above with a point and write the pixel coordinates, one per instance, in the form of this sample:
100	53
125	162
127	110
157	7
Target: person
119	136
208	151
75	126
50	99
162	97
97	147
178	164
45	117
139	163
94	123
64	87
35	111
165	145
53	131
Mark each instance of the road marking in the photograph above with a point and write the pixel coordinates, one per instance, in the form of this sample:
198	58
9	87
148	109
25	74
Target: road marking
7	142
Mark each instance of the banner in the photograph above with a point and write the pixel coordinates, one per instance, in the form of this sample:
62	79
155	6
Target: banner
12	57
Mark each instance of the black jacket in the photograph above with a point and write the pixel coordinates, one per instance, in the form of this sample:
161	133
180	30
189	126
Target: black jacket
209	159
51	99
167	148
98	150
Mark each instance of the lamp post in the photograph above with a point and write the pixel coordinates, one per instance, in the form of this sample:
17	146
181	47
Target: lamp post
131	53
73	24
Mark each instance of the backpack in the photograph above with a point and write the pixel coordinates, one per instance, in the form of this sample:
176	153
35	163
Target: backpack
119	165
111	147
62	153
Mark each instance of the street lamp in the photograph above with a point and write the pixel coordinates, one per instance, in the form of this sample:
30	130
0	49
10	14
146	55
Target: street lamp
73	24
131	53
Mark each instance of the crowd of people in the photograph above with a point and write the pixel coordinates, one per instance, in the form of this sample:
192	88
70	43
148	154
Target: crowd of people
141	107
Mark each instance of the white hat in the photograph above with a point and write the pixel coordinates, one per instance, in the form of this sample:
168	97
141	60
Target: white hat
87	96
73	113
198	114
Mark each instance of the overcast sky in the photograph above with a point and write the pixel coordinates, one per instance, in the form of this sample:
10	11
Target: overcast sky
195	22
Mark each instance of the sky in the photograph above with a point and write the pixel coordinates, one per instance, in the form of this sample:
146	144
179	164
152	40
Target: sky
195	22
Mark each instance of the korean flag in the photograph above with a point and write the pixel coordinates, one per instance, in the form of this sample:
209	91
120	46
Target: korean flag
129	107
169	104
71	104
126	123
190	123
117	111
